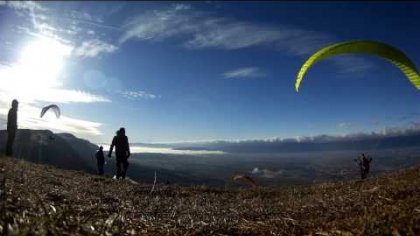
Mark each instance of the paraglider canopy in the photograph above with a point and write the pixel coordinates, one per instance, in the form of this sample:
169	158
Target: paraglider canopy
52	107
386	51
247	179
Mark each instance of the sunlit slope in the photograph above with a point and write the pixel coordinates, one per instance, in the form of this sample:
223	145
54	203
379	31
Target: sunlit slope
41	199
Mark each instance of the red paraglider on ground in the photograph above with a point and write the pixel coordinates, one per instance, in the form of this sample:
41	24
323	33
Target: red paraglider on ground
245	178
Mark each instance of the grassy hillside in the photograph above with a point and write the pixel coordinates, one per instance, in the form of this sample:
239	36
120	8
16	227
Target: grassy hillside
41	199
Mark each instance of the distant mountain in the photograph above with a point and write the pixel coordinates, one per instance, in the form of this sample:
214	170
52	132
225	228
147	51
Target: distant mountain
321	143
62	150
277	161
66	151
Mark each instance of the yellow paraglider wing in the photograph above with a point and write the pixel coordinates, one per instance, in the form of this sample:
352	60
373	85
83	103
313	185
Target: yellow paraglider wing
386	51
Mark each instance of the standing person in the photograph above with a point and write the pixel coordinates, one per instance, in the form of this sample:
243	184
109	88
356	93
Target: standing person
100	158
366	165
11	127
122	152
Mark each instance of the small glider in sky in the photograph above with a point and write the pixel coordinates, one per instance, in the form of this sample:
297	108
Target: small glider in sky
54	108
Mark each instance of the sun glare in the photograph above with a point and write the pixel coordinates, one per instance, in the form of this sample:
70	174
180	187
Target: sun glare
37	71
41	63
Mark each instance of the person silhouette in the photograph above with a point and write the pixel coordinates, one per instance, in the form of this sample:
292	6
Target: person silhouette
366	165
122	152
100	160
11	127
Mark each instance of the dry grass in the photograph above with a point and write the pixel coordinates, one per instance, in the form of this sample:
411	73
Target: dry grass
38	199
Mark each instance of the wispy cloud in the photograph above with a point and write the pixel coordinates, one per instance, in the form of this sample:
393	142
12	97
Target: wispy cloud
93	48
247	72
181	6
86	20
198	30
220	33
97	15
11	80
202	30
29	118
64	124
194	29
344	125
402	136
29	112
70	96
32	80
138	95
411	129
79	31
53	95
22	5
266	173
352	64
69	34
158	25
83	15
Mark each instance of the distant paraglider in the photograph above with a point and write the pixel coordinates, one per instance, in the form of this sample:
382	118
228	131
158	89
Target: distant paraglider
54	108
247	179
386	51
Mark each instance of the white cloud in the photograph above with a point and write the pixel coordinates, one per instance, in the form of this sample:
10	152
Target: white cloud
182	7
94	18
68	96
225	34
247	72
82	15
195	29
138	94
45	28
231	36
143	149
79	26
54	95
23	5
29	118
158	25
352	64
412	128
32	81
200	30
93	48
266	173
344	125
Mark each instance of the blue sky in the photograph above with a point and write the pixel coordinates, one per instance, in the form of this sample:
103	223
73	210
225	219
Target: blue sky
194	71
